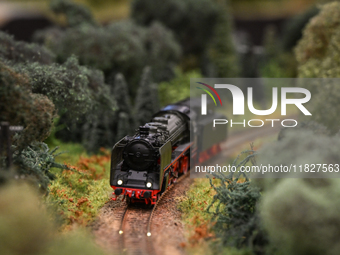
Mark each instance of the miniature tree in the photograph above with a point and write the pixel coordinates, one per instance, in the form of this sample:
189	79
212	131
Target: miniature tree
191	21
22	52
292	31
163	52
145	101
120	92
19	106
120	47
221	51
317	55
35	112
75	14
237	219
300	213
70	86
123	127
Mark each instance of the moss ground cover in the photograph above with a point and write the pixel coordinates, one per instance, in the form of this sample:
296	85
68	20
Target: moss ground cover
78	193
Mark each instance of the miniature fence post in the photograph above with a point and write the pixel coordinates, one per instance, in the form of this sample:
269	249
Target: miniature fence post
1	141
5	139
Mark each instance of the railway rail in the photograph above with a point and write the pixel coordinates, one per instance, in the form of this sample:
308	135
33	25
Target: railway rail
136	226
140	221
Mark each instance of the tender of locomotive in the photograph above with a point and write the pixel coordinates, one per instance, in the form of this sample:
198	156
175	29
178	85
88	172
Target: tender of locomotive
143	166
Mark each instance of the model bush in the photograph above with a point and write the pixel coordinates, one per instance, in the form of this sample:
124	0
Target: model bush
35	163
23	52
276	62
192	21
120	47
75	14
318	44
317	55
300	215
294	26
221	55
178	88
19	106
237	220
26	227
147	102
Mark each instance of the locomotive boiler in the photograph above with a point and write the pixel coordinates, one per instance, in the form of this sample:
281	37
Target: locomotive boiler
144	165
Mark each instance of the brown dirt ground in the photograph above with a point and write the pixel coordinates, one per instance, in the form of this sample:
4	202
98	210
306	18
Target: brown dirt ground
167	228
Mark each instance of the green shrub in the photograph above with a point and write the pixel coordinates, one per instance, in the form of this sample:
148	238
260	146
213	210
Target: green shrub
22	52
147	100
74	89
292	31
81	190
315	127
35	163
27	228
120	47
318	36
19	106
176	89
301	215
221	50
318	56
276	63
237	221
75	14
191	20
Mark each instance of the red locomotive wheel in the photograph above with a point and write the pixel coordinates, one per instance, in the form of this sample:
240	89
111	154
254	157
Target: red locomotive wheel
184	164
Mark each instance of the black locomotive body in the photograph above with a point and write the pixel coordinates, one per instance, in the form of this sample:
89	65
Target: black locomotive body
143	166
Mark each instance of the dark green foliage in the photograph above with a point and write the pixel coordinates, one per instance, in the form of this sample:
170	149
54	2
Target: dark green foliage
116	47
33	90
75	14
120	47
162	52
276	62
191	20
155	98
123	127
121	93
221	50
26	227
271	42
178	88
302	215
22	52
293	28
237	221
316	128
73	89
146	102
19	106
317	54
35	162
319	43
97	129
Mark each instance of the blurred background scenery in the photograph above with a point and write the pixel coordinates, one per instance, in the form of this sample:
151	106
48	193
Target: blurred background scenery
77	76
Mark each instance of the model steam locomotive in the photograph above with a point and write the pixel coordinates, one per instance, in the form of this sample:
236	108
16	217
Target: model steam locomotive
143	166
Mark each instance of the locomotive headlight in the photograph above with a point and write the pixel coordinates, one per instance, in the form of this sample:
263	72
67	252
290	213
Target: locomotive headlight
149	185
120	182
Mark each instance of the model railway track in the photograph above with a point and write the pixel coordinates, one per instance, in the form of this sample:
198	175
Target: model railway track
136	226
